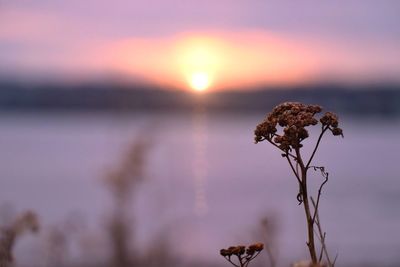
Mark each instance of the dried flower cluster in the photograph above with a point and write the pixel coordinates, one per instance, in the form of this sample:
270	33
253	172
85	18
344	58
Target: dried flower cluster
331	121
244	255
294	118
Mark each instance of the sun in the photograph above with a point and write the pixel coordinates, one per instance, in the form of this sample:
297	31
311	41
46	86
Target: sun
200	81
199	61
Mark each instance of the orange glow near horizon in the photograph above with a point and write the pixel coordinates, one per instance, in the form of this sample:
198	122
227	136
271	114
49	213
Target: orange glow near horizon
168	54
240	60
199	61
213	61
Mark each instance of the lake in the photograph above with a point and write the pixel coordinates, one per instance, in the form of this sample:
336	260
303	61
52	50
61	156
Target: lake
207	184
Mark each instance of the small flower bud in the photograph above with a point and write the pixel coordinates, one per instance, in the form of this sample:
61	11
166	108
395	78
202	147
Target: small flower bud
225	252
337	131
257	246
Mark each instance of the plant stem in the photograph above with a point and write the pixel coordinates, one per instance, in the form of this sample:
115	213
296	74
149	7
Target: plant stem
322	236
310	222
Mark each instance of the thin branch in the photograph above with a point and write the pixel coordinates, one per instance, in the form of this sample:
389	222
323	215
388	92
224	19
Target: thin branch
323	236
316	146
286	152
322	251
334	261
240	260
229	259
326	176
299	159
296	173
247	262
293	169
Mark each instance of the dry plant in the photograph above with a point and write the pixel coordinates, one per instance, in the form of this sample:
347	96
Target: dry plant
122	182
267	230
27	221
56	247
243	255
159	253
294	118
59	238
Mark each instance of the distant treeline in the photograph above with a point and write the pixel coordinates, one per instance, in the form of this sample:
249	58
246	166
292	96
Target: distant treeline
380	100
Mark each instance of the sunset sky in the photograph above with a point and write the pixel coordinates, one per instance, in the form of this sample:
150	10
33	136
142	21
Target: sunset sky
216	44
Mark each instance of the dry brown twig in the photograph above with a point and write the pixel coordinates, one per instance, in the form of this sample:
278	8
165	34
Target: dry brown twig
294	118
27	221
268	231
123	182
322	237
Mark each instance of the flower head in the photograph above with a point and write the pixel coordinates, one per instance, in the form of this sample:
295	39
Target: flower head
294	117
331	121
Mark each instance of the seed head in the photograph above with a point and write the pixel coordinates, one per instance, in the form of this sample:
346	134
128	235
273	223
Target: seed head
294	117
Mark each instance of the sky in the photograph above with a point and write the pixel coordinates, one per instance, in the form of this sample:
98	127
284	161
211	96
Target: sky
198	44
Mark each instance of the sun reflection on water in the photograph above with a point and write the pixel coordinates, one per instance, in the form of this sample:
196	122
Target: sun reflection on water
200	161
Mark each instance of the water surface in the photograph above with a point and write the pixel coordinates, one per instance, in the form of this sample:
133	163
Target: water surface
207	183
